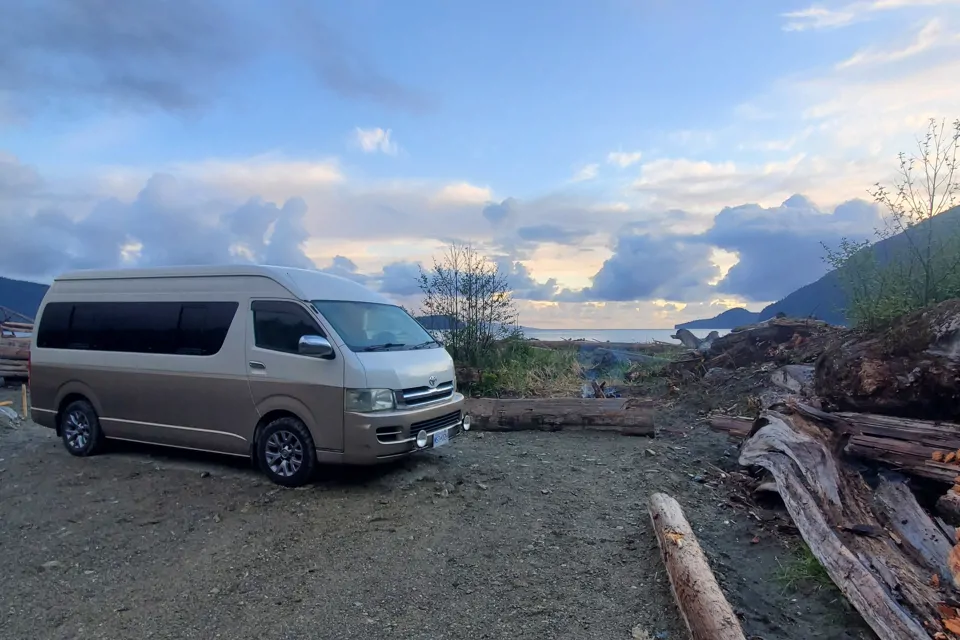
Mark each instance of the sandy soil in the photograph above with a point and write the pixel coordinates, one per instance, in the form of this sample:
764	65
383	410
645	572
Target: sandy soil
527	535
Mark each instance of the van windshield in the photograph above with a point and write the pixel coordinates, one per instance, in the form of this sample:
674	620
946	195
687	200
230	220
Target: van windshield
368	326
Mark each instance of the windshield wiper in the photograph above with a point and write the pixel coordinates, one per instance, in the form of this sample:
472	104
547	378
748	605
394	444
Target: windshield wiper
424	345
383	347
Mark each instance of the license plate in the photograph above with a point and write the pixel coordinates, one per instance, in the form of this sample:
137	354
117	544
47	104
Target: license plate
441	438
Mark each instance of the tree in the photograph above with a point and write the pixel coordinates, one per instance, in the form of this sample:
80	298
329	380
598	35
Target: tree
914	260
467	291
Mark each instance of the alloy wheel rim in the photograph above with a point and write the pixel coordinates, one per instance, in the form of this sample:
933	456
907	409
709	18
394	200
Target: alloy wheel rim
284	453
76	429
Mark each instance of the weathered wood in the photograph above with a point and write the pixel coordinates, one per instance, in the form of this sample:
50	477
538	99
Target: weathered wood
918	533
910	369
553	414
832	509
948	506
915	459
746	345
14	353
704	608
795	378
735	426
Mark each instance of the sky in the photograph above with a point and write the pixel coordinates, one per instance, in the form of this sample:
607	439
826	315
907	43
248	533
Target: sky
626	163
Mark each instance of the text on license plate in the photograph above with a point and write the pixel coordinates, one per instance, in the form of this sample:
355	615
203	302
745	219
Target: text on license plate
441	438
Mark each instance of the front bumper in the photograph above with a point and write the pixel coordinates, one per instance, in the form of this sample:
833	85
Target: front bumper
372	438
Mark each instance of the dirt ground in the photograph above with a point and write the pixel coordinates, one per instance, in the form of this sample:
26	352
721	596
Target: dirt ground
526	535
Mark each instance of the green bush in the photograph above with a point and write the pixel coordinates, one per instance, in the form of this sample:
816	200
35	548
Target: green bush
516	368
915	259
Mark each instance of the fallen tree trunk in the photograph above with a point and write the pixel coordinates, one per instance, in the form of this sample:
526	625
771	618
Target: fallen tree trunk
735	426
10	352
918	447
553	414
891	585
910	369
746	345
704	608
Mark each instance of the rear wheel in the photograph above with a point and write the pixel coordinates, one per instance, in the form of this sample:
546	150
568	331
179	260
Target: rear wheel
285	452
80	429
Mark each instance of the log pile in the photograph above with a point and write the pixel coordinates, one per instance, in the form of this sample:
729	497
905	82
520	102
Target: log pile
782	340
15	330
885	398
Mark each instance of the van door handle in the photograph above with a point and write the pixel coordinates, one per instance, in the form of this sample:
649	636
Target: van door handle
257	365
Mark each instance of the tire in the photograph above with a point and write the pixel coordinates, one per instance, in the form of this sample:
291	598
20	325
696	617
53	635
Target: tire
80	429
285	452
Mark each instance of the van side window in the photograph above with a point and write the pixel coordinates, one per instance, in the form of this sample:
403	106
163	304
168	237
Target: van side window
279	325
186	328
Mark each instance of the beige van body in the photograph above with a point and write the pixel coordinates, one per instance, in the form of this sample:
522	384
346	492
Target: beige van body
182	396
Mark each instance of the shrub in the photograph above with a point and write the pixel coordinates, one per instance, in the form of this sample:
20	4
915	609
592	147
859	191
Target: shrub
919	262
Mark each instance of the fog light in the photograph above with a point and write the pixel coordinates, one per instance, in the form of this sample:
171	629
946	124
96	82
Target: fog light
466	423
422	439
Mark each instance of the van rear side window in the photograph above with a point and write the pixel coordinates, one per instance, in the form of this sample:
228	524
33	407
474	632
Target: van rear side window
184	328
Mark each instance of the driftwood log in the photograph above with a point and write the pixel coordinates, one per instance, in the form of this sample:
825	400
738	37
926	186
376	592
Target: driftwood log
704	608
880	549
553	414
911	369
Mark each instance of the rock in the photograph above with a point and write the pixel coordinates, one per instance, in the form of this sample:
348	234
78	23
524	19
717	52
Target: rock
51	564
204	474
796	378
216	517
545	491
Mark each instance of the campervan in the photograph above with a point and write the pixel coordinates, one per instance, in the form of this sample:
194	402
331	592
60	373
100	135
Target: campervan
290	367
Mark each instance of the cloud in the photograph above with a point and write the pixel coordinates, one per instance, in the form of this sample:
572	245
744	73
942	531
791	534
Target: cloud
549	233
522	284
462	193
400	278
374	140
623	159
498	213
820	17
587	172
930	36
651	266
17	179
175	55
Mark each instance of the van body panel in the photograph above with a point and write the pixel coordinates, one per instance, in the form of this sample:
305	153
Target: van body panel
363	446
406	369
311	388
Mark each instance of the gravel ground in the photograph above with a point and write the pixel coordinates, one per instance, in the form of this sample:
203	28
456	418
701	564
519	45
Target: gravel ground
527	535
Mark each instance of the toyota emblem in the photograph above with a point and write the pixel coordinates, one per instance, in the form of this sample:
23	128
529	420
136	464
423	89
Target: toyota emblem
432	381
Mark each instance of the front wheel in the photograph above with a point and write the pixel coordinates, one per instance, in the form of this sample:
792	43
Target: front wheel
80	429
285	452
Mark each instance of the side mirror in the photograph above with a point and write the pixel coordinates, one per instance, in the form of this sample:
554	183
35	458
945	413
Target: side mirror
316	346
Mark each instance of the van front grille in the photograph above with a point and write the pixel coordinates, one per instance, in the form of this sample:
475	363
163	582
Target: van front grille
435	424
422	395
389	434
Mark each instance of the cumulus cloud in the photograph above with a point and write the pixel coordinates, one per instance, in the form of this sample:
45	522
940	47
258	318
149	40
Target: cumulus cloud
374	140
497	213
522	283
587	172
549	233
171	55
624	159
400	278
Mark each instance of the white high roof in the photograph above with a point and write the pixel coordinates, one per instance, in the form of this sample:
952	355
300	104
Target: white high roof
305	284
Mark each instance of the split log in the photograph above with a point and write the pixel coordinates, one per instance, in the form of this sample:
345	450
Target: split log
553	414
891	586
910	369
917	447
735	426
690	341
704	608
948	506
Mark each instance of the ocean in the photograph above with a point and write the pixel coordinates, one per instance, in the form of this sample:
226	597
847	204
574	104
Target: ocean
614	335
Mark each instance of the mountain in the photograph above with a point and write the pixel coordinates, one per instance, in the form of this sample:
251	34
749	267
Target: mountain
825	298
22	296
729	319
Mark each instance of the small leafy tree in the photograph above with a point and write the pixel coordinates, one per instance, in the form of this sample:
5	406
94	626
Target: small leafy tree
472	299
922	266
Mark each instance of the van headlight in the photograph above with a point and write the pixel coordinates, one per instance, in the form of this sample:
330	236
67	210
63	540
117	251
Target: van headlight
367	400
